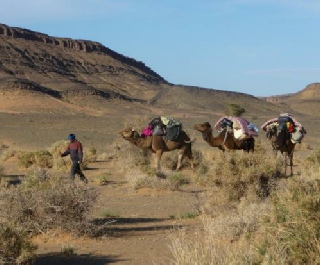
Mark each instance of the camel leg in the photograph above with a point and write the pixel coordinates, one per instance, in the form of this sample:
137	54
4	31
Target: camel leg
180	155
188	153
285	164
291	163
158	155
190	157
251	148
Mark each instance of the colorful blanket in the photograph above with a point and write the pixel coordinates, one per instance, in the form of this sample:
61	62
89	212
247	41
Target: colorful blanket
275	120
242	128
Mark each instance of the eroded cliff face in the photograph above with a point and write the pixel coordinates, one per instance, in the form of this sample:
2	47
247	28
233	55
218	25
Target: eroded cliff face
65	66
76	45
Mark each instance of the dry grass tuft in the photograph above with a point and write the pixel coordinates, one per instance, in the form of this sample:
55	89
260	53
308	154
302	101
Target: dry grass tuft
51	158
199	248
289	232
237	176
41	158
6	153
283	228
15	246
311	165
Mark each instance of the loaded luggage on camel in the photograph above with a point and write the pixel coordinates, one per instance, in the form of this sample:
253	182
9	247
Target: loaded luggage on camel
168	127
286	123
241	128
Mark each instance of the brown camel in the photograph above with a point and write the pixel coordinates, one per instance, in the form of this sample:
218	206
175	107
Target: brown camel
280	141
225	139
158	145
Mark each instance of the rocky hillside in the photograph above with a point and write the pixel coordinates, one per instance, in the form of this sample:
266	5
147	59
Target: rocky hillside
35	61
61	69
306	101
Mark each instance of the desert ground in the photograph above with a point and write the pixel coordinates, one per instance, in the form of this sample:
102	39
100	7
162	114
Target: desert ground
143	222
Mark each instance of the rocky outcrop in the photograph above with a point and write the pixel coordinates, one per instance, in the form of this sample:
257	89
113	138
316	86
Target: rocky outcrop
311	92
76	45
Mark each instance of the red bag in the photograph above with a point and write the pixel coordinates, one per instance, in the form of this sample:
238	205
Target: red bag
147	131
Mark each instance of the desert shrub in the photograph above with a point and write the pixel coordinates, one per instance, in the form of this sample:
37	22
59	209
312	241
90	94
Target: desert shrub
4	183
90	154
282	229
44	201
59	164
189	215
233	109
169	181
15	245
169	160
6	153
197	250
311	165
68	250
237	176
289	234
177	180
128	156
222	239
40	158
103	179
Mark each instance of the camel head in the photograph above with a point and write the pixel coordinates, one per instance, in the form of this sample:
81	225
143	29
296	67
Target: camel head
203	127
271	132
277	137
129	133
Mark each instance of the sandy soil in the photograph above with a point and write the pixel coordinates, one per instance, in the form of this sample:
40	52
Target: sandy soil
140	233
146	219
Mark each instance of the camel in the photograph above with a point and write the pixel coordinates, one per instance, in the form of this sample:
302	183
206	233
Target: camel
158	145
280	141
225	139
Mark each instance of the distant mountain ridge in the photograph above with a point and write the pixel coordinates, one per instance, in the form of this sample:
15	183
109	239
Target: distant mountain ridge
64	68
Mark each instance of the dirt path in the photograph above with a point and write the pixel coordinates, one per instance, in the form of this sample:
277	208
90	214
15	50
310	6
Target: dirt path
140	232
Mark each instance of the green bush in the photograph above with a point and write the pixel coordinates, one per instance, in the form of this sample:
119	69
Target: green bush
233	109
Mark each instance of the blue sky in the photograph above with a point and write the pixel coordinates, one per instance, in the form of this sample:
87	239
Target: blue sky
258	47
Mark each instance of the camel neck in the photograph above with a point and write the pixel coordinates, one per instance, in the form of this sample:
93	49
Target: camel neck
211	140
141	142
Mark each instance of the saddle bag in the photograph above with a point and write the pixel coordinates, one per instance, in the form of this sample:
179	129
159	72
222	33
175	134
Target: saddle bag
173	132
285	123
158	130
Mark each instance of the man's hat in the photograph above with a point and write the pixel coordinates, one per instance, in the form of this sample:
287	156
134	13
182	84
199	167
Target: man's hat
71	136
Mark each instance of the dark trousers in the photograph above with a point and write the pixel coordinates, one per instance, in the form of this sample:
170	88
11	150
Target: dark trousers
75	169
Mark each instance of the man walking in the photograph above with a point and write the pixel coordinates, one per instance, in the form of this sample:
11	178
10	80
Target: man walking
74	149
